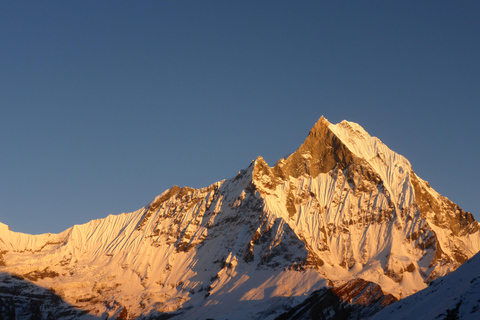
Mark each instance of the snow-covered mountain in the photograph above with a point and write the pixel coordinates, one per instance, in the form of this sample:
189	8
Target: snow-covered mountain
342	207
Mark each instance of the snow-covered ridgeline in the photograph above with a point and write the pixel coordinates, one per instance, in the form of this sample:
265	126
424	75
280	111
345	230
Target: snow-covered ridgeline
16	241
343	206
157	254
394	169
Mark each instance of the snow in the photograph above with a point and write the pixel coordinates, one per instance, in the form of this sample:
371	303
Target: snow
234	250
460	288
393	168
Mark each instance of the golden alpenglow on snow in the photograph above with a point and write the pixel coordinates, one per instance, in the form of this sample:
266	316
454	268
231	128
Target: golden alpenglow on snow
343	224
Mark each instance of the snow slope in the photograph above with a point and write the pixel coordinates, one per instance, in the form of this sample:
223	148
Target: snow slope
342	207
455	295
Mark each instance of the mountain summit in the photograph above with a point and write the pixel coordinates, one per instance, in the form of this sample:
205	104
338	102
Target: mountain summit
342	213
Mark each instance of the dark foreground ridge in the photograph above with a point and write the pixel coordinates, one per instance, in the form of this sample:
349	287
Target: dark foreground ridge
356	299
21	299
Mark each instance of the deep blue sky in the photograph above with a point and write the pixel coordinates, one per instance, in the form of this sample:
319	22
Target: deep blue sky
104	105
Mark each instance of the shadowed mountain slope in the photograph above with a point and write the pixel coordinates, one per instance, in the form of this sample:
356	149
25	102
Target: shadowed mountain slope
455	296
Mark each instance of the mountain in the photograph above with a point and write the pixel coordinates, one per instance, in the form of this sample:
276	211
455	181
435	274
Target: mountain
455	296
343	215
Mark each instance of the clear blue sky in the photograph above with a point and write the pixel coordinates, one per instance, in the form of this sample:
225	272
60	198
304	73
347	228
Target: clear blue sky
106	104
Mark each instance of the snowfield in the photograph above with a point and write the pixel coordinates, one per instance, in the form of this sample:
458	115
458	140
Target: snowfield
455	295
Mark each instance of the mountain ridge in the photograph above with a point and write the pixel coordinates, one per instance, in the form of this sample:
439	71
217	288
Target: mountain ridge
342	207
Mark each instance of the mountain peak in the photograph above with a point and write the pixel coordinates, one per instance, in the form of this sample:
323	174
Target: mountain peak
319	126
321	151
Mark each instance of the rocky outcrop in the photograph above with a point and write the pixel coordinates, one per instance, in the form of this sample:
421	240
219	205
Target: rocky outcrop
356	299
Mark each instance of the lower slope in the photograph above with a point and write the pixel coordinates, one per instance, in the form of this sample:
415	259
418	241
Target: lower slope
21	299
356	299
455	296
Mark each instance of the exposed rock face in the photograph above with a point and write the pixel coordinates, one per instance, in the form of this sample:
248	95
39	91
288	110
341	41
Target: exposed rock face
341	208
320	153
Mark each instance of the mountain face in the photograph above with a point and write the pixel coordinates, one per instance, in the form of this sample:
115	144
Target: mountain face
342	212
